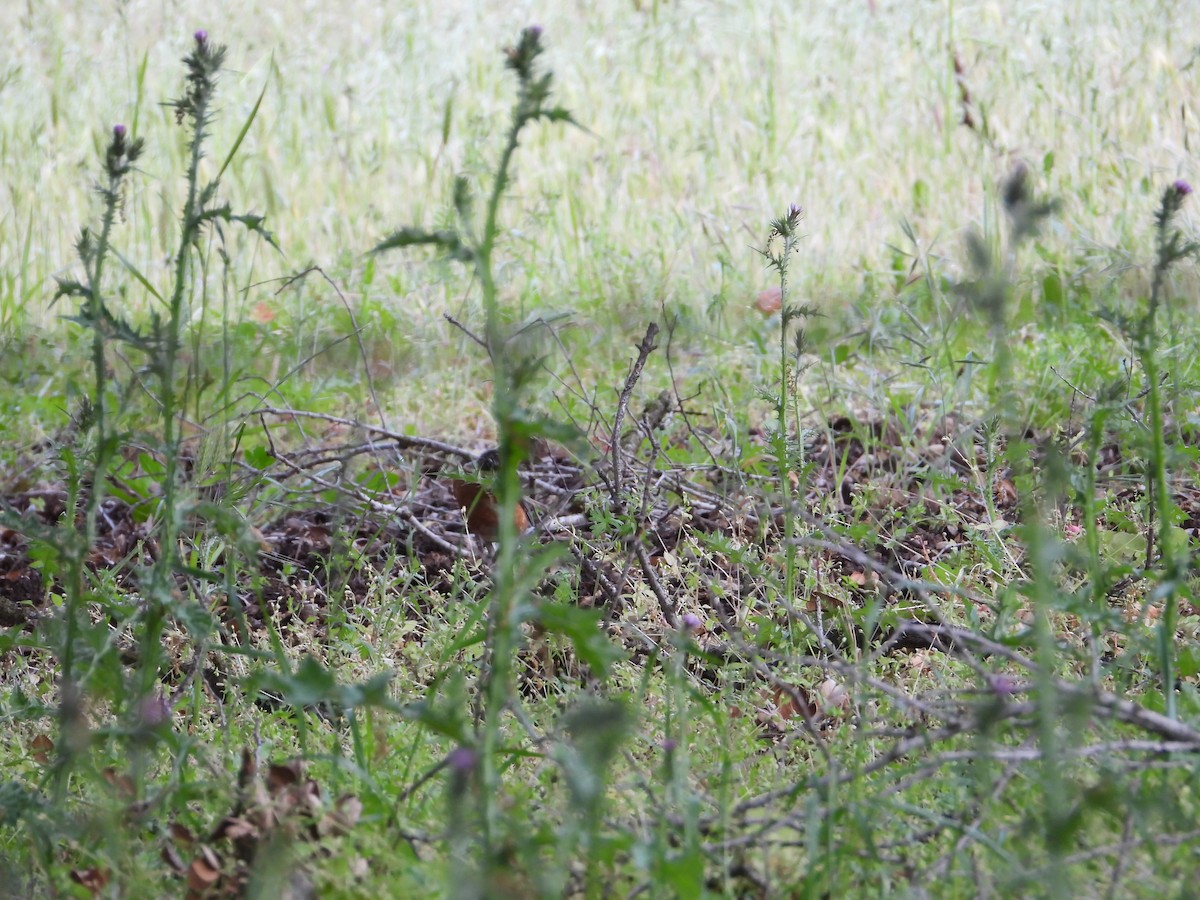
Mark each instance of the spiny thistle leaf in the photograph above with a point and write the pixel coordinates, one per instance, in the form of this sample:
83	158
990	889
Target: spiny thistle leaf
255	224
979	252
558	114
69	287
464	198
767	395
447	241
794	311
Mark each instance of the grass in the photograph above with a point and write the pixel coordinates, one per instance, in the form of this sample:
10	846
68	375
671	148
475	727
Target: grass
932	636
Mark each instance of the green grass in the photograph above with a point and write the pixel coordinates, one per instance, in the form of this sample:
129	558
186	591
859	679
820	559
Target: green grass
505	727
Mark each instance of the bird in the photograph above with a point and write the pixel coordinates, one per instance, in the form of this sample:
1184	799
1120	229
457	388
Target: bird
480	503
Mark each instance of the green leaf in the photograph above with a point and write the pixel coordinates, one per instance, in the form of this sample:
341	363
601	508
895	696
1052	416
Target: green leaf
242	134
597	729
136	273
69	287
254	223
259	457
447	717
447	118
1052	290
582	628
312	684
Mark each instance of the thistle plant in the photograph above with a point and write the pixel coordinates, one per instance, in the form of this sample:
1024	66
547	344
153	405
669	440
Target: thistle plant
1166	555
991	293
87	474
472	242
194	109
159	344
996	273
1171	248
782	241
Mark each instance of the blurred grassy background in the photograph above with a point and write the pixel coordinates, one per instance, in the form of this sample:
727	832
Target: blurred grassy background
705	118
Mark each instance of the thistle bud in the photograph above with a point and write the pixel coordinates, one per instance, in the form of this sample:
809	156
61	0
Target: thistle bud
462	760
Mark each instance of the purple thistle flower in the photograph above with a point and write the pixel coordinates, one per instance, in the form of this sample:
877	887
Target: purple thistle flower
154	711
535	31
201	36
1182	188
118	131
691	622
462	759
669	745
1003	685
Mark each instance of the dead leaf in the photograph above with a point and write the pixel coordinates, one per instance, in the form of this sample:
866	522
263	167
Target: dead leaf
833	695
41	747
790	704
234	828
94	879
1005	493
205	871
340	820
172	858
281	775
122	784
869	580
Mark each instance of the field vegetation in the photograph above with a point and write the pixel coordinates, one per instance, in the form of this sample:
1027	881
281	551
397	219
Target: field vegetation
664	449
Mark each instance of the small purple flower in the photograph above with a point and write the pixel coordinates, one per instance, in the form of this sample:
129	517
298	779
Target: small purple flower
1182	188
201	36
1003	685
669	745
118	131
535	31
691	622
462	759
154	711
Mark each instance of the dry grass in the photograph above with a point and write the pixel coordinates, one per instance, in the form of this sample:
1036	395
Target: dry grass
704	117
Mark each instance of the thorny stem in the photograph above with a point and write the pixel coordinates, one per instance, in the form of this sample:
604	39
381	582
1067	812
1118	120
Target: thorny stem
785	227
118	158
1169	251
504	623
162	583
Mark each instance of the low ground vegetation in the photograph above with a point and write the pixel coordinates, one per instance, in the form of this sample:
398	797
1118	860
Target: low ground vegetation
894	595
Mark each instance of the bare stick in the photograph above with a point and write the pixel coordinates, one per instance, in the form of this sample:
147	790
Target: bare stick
402	440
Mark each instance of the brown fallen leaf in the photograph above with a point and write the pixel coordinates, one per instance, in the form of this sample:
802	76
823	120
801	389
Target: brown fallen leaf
281	775
172	858
122	784
41	747
204	872
94	879
794	703
1005	493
